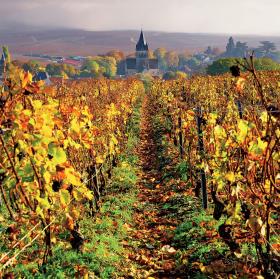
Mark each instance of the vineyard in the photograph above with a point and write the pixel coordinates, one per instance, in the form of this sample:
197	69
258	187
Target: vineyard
131	179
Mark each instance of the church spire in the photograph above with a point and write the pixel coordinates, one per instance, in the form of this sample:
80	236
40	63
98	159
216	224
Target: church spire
142	44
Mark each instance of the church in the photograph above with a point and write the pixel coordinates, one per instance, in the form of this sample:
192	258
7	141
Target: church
141	63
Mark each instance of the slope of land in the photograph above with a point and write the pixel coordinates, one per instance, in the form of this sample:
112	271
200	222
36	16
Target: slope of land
81	42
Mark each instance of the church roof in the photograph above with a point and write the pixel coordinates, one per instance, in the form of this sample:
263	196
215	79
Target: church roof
142	44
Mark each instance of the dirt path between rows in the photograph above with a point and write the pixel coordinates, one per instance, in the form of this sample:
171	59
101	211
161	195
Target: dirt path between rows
152	255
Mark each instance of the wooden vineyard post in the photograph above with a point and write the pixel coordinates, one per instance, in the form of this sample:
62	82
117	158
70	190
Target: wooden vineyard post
180	136
96	187
184	95
201	151
181	142
239	106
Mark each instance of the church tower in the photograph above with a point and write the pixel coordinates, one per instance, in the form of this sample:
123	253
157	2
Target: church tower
141	62
142	57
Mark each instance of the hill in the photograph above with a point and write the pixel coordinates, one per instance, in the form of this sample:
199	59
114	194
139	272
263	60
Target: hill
82	42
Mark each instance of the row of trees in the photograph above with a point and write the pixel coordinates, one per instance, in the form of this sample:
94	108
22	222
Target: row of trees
92	67
112	63
223	65
239	49
99	66
171	63
186	62
201	62
107	66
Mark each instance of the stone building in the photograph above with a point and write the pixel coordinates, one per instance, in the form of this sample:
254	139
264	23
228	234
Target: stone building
141	63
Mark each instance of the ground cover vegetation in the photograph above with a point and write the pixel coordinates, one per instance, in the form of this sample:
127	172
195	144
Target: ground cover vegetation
132	179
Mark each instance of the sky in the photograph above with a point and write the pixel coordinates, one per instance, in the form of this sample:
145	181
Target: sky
259	17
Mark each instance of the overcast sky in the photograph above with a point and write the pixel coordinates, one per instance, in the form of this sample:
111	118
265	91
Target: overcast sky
214	16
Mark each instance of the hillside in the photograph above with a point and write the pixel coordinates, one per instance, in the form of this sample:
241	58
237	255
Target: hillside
81	42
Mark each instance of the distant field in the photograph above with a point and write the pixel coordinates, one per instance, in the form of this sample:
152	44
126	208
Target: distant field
80	42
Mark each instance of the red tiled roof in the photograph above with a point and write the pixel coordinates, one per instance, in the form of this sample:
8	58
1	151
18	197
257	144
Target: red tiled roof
72	62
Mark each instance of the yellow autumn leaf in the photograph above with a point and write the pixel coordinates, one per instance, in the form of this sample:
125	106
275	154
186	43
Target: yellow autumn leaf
264	117
75	126
47	177
43	203
230	176
65	197
220	132
258	147
26	79
212	118
46	131
267	186
37	104
243	129
99	160
78	196
72	177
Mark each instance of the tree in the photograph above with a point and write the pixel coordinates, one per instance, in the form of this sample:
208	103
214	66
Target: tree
266	64
150	54
69	70
169	75
193	63
61	70
266	47
172	60
275	56
100	65
183	59
174	75
85	74
230	47
216	51
222	65
108	66
53	69
240	49
91	67
31	66
180	74
117	54
160	54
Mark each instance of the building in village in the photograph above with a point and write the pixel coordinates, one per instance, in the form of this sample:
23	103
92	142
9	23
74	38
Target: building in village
42	76
141	63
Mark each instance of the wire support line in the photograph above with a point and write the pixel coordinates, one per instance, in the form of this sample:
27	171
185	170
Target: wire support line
18	242
28	244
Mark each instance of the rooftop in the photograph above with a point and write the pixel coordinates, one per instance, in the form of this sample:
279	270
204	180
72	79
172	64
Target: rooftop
142	44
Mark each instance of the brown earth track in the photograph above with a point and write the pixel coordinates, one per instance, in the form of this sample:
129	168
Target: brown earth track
152	254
